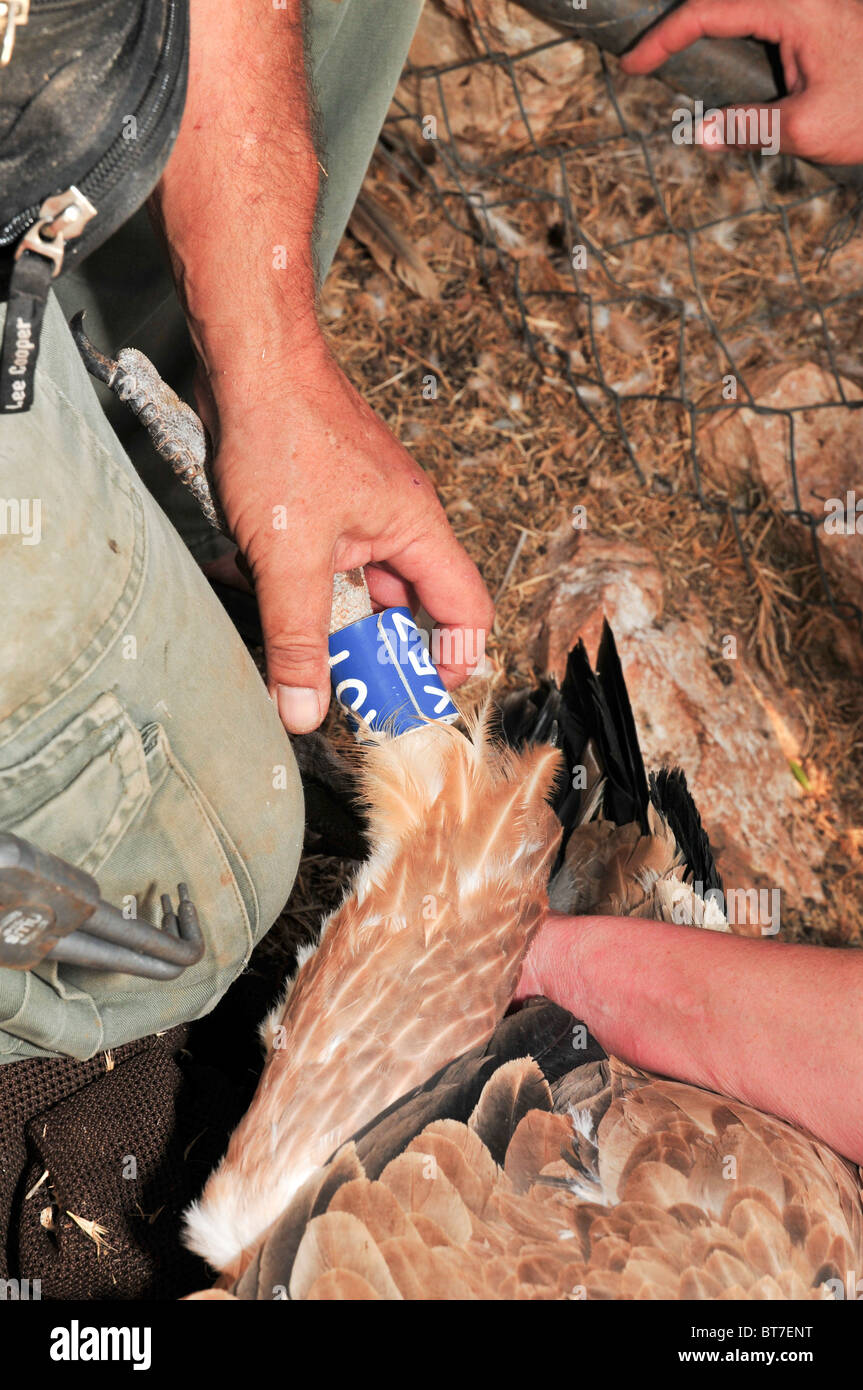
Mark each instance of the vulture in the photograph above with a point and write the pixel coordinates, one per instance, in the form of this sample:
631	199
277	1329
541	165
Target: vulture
411	1139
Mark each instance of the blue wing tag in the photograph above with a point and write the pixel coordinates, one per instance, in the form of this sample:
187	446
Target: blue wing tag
382	672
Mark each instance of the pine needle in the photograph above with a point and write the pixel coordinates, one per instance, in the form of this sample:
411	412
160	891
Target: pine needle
36	1186
93	1229
189	1147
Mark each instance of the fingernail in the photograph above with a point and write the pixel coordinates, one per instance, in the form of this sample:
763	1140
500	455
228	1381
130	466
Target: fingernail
299	708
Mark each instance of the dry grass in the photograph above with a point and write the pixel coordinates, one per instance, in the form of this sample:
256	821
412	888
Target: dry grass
511	451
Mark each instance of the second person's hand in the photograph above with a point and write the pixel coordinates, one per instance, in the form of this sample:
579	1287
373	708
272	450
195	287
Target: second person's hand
821	47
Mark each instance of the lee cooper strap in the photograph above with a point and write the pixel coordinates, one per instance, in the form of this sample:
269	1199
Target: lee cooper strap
28	295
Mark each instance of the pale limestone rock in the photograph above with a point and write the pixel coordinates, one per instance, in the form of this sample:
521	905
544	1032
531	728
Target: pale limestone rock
733	740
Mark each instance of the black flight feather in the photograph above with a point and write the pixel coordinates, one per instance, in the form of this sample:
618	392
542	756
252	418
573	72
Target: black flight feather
672	797
594	707
590	707
626	795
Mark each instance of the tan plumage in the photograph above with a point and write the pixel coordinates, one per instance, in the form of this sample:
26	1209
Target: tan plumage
655	1215
462	841
526	1168
617	871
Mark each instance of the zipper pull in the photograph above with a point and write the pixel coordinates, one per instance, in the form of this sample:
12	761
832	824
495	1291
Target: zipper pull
12	13
61	218
38	259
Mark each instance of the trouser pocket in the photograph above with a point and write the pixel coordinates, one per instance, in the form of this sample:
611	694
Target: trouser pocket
114	800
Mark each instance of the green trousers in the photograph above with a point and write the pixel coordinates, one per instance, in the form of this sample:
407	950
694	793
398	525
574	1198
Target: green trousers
137	739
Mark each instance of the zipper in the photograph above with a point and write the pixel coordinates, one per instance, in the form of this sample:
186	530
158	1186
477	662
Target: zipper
121	153
40	233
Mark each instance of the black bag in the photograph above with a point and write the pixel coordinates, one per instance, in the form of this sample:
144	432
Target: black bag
91	97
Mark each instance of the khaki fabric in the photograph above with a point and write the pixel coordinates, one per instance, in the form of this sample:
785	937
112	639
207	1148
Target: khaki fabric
136	736
137	739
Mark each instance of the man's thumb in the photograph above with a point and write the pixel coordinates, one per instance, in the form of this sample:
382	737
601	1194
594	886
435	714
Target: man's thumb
295	616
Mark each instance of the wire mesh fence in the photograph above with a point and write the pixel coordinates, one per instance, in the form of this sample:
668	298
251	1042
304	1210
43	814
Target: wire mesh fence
702	310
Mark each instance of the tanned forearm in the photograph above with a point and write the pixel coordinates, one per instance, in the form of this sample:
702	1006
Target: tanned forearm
779	1027
237	200
311	481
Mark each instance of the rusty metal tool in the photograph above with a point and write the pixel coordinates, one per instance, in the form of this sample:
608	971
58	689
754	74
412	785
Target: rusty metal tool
50	910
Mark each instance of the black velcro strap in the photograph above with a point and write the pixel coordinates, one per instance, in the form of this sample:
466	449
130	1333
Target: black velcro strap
28	295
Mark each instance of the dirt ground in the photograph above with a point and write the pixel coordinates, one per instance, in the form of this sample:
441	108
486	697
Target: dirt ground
510	448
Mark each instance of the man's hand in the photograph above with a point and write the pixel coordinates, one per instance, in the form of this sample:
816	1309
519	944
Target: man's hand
821	47
311	481
314	482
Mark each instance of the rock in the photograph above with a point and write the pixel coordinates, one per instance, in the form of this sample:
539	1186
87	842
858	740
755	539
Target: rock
604	577
734	741
481	101
741	446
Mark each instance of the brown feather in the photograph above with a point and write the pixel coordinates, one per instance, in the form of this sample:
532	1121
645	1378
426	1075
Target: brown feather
512	1092
342	1285
420	1186
339	1241
612	870
375	1206
538	1140
445	1222
422	1272
389	246
471	1176
462	839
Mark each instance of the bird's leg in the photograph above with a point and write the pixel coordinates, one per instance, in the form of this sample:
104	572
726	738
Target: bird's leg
179	437
177	434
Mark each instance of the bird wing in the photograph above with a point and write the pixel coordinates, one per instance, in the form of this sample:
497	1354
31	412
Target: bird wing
417	966
510	1173
601	1183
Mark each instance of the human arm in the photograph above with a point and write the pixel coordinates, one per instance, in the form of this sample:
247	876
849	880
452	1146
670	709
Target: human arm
777	1026
311	481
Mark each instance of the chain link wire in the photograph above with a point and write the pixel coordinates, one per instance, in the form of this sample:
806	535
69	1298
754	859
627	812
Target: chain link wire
471	192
